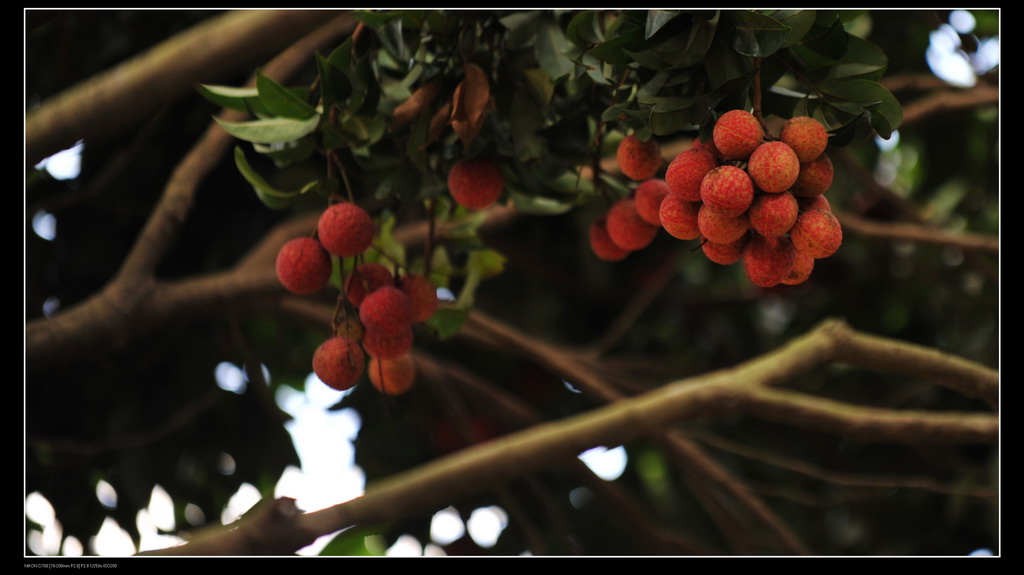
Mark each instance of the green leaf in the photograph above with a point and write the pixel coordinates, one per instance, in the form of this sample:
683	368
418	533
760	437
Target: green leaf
274	130
351	543
386	243
540	205
280	101
230	97
656	20
758	35
550	49
522	29
613	49
886	113
289	153
334	84
862	59
526	119
799	22
271	197
447	321
540	84
585	28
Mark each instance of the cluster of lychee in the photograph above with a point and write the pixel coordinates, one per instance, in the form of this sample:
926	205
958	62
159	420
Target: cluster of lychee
748	198
377	314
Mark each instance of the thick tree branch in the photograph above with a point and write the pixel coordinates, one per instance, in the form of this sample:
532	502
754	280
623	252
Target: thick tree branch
916	233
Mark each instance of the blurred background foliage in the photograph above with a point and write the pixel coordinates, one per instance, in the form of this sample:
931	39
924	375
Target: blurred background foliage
108	411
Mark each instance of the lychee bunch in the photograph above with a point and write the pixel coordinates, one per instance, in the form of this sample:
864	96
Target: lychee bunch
749	197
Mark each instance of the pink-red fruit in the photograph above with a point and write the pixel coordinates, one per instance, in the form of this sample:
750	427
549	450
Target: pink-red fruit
679	217
303	266
724	254
815	177
639	160
648	198
737	134
339	363
685	173
803	265
365	279
774	167
627	229
806	136
721	229
392	376
817	233
387	311
773	214
768	261
388	346
422	296
601	243
345	230
476	183
727	190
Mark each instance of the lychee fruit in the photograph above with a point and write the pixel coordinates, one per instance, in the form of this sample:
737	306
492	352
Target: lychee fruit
803	265
820	202
774	167
685	173
815	177
773	214
365	279
817	233
476	183
639	160
724	254
422	296
386	311
806	135
768	261
601	243
388	346
627	229
679	217
727	190
339	362
721	229
303	266
345	229
392	376
648	198
708	145
736	134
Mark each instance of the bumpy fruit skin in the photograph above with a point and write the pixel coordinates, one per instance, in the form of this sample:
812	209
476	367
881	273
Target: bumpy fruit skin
422	296
627	229
386	312
365	279
803	265
721	229
768	261
639	160
708	145
339	363
806	136
820	202
685	173
648	198
727	190
817	233
773	214
392	376
815	177
601	243
737	134
774	167
388	346
679	217
303	266
476	183
724	254
345	230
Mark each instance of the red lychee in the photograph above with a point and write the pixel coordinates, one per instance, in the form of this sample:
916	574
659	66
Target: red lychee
817	233
303	266
339	363
736	134
807	136
685	173
774	167
601	244
648	198
727	190
708	145
386	312
679	217
627	229
422	296
476	183
773	214
768	261
815	177
387	346
725	254
639	160
803	265
345	229
365	279
721	229
820	202
392	376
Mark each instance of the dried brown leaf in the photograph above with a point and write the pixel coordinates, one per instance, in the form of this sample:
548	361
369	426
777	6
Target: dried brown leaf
422	98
